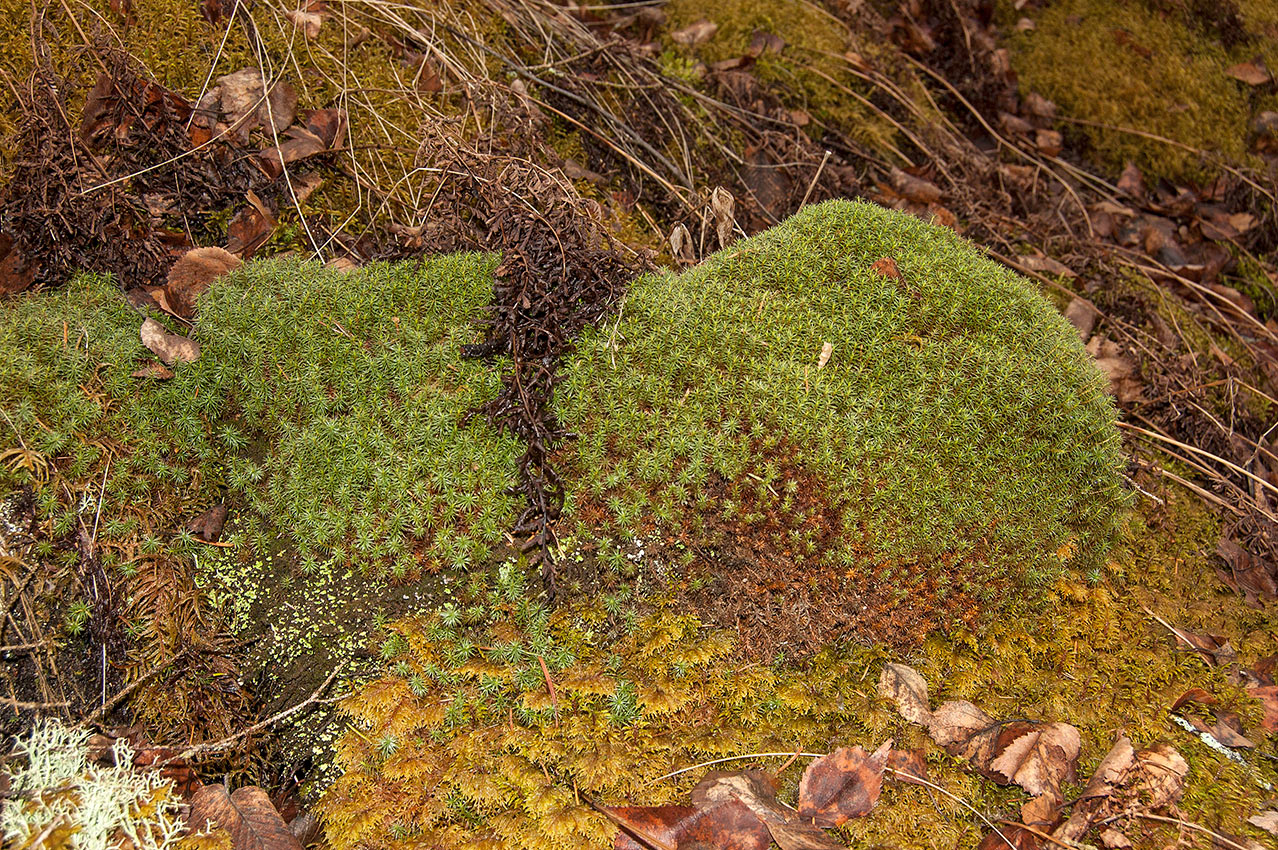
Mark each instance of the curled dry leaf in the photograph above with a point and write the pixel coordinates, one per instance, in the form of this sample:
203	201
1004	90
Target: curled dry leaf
899	683
722	205
826	350
247	814
681	242
167	346
308	22
842	785
192	274
154	370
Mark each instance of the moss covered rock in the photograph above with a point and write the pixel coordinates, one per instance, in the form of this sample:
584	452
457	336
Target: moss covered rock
957	449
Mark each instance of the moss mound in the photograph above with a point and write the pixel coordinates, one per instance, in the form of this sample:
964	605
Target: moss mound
1156	66
958	448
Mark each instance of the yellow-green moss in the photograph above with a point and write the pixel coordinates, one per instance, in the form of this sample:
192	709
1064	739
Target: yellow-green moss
1146	71
462	743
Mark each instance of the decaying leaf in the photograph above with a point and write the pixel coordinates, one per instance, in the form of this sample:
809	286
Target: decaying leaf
308	22
1040	760
1255	578
167	346
907	766
915	189
680	243
246	813
1215	649
208	525
1266	820
756	789
1268	698
842	785
1253	73
696	33
957	721
153	370
721	207
904	685
1160	775
730	824
325	131
245	104
886	267
826	350
191	276
1019	837
1110	774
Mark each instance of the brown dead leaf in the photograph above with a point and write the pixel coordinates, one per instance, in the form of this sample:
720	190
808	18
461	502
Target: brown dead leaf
681	243
191	276
1123	374
1196	696
696	33
245	105
1214	649
1041	760
246	813
730	825
1266	820
1043	812
722	205
1114	840
308	22
1048	142
1253	73
899	683
1132	181
1019	837
1267	695
908	766
1228	730
16	273
167	346
1255	578
915	189
1082	315
1047	265
956	722
249	230
887	268
763	41
208	525
842	785
1160	775
154	370
1112	772
756	789
827	349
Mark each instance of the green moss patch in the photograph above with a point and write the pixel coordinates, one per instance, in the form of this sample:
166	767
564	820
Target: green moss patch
957	451
1149	70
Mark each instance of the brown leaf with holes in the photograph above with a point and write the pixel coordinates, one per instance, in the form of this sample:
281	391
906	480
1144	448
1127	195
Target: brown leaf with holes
247	814
756	789
899	683
842	785
167	346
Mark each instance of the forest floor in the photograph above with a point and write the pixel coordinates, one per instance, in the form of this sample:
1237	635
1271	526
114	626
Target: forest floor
159	588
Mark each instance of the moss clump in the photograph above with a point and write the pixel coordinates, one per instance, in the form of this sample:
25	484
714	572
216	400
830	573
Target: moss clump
1148	70
356	385
958	430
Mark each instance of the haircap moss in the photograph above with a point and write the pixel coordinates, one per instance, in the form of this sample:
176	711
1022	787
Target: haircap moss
954	457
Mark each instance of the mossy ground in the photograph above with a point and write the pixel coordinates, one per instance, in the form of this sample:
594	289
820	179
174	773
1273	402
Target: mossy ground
327	406
1153	67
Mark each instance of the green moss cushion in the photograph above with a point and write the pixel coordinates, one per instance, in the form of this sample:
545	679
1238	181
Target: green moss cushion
959	441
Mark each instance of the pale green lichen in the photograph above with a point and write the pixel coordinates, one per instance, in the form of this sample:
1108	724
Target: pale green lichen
58	799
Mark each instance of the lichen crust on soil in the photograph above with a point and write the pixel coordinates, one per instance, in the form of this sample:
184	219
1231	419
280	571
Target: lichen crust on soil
954	457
